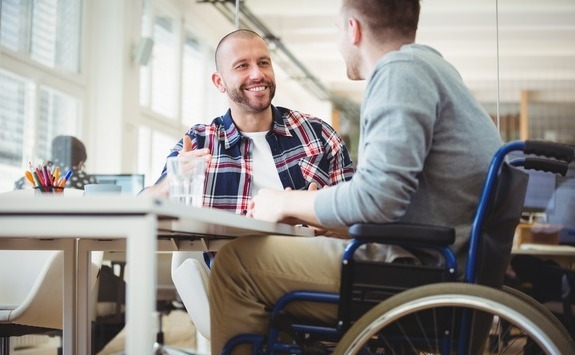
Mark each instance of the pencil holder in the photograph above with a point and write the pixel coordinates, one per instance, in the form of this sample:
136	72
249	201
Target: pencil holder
40	190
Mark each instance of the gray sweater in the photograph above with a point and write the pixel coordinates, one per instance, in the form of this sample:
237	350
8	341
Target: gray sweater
425	145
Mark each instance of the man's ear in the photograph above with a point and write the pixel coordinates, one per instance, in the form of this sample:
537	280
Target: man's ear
355	30
218	82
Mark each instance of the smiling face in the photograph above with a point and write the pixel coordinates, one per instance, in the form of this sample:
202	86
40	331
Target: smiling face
245	72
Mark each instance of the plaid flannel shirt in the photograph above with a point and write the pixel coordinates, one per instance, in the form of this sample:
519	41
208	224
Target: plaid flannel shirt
305	149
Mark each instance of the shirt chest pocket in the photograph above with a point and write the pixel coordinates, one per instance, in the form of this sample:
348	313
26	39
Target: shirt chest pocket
314	167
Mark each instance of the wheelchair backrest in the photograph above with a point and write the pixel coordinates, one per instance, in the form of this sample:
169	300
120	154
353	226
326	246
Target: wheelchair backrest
498	226
501	204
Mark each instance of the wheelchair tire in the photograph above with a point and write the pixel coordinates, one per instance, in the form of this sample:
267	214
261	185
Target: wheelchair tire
536	304
396	326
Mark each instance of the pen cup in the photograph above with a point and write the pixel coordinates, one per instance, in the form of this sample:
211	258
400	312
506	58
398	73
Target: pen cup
41	190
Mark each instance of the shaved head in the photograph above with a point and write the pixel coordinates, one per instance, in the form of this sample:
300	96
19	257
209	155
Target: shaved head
237	34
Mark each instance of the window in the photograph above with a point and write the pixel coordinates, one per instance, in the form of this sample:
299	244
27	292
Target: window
12	117
46	31
193	82
40	91
155	147
174	87
58	113
159	80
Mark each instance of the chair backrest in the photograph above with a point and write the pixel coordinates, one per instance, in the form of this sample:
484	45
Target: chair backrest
31	282
191	278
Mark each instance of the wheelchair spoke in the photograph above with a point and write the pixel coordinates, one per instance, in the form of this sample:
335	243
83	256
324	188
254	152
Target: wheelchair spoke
406	336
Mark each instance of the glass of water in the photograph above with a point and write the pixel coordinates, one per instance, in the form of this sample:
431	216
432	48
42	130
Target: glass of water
186	180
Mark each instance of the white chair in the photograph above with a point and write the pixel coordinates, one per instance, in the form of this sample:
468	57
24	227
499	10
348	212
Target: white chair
111	308
191	278
32	292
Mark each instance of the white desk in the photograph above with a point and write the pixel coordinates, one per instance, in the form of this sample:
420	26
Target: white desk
564	255
138	220
544	249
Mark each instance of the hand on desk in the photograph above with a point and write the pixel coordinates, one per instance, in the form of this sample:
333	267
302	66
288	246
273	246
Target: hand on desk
291	207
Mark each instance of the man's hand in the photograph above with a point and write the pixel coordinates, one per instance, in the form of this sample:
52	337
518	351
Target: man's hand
292	207
267	209
271	217
187	155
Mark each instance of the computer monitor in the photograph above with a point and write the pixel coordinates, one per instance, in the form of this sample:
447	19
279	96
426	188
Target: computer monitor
131	183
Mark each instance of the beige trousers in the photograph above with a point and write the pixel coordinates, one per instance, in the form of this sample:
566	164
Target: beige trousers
251	273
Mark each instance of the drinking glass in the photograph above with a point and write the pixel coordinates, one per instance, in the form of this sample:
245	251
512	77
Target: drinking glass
186	180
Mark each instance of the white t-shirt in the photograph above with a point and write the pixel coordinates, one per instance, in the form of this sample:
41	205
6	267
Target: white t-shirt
265	174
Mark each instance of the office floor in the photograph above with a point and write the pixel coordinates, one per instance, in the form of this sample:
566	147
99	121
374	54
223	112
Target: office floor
179	332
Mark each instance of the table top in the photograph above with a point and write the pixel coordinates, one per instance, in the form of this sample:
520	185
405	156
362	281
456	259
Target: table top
173	218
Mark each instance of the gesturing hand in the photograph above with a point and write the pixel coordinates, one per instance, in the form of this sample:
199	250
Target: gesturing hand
187	155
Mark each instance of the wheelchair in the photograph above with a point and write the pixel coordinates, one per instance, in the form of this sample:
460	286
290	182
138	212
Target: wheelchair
388	308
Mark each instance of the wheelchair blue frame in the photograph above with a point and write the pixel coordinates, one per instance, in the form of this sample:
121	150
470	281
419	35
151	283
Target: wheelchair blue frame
444	237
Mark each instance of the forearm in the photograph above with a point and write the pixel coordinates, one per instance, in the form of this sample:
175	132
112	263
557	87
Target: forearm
299	205
159	189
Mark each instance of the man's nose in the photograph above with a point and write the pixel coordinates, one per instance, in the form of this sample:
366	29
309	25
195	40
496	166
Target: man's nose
256	72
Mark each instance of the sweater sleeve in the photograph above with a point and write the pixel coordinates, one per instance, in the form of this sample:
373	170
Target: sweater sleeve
396	133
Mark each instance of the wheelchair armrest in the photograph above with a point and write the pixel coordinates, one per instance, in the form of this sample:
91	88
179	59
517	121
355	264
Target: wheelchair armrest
402	233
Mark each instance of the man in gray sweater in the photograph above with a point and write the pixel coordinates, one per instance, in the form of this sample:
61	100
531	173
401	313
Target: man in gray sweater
425	145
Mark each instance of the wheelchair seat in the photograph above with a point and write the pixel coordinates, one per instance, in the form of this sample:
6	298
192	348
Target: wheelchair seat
431	308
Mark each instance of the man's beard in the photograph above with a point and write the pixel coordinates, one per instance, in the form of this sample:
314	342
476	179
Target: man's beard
353	72
238	96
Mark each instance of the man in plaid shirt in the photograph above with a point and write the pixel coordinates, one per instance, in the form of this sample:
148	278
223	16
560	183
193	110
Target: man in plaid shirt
255	144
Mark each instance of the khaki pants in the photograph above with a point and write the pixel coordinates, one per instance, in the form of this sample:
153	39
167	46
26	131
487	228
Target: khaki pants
251	273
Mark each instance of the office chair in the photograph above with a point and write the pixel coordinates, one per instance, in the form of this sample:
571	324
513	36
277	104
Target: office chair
400	308
111	305
32	292
190	276
167	302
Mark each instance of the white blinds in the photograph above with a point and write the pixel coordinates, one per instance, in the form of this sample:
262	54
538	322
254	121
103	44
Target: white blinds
164	96
47	31
12	116
31	112
193	83
57	114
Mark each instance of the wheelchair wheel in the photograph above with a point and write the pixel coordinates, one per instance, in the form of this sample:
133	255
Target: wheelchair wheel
451	318
536	304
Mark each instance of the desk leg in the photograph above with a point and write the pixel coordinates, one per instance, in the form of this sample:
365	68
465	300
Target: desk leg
70	334
86	285
85	301
141	247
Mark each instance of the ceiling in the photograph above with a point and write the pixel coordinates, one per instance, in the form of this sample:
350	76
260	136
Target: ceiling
535	41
